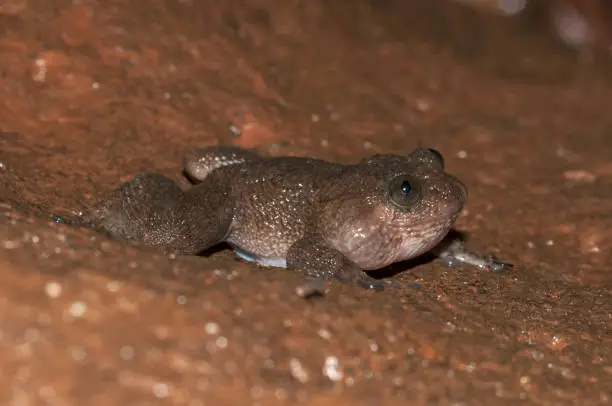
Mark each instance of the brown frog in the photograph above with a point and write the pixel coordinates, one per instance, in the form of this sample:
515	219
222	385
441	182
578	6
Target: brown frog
320	218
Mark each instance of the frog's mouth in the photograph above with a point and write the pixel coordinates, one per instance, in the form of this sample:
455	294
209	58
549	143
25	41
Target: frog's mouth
420	238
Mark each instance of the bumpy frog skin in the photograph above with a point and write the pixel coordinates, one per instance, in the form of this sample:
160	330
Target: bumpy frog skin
320	218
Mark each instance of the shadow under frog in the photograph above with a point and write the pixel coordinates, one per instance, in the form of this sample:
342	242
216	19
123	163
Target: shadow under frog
324	219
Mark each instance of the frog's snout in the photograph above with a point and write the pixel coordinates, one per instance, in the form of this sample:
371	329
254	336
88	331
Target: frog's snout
448	194
460	190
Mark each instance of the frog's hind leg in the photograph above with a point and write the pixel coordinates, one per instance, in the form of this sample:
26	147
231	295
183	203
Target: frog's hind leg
153	211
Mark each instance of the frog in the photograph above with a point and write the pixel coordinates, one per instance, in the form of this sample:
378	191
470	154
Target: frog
324	219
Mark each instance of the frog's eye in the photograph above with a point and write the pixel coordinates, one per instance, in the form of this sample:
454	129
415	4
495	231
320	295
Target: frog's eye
403	191
437	158
428	156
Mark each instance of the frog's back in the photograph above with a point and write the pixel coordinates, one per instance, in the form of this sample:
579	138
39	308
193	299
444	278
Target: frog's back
286	172
275	199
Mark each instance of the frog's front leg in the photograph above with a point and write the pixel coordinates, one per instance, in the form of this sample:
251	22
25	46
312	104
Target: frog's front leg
152	210
317	259
454	253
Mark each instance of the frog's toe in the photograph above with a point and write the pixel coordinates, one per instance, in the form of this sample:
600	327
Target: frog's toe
363	280
374	284
495	265
451	262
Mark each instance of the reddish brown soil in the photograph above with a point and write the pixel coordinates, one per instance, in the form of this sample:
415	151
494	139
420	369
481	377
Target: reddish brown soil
93	93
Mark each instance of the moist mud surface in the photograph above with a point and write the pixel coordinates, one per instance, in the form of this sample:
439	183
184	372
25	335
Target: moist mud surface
93	93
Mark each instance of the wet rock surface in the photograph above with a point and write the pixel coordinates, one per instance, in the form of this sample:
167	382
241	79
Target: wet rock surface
96	92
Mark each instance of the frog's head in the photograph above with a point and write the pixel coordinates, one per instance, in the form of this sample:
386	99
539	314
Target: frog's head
392	208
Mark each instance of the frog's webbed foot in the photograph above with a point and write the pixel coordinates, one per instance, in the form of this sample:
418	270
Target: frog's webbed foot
456	254
356	276
316	286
